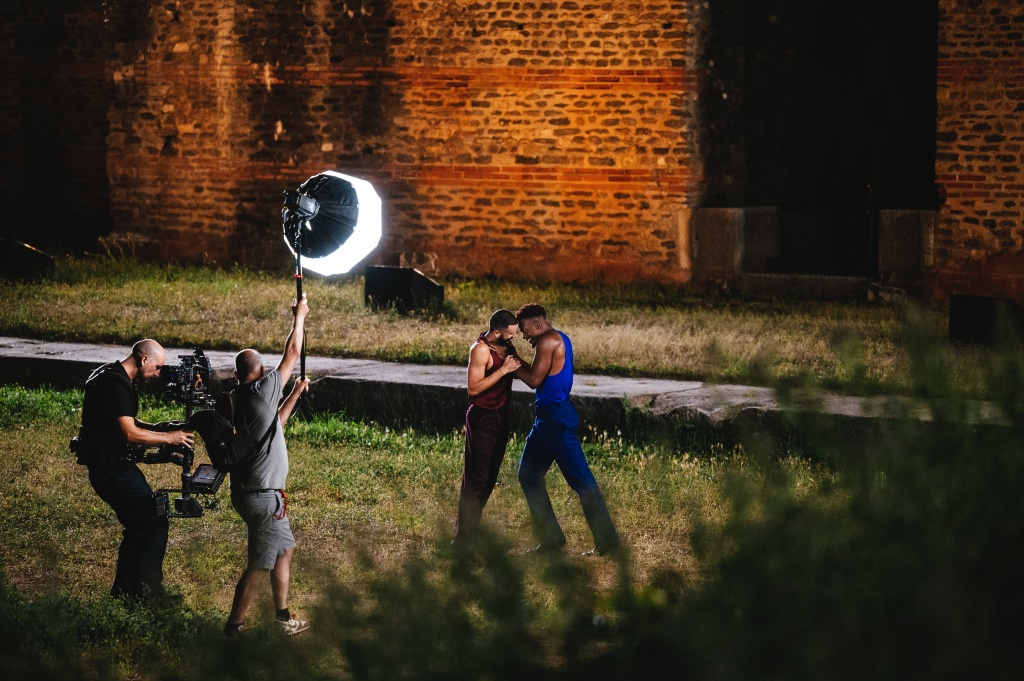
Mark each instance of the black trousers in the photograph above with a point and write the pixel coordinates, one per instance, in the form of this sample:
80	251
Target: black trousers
487	432
140	560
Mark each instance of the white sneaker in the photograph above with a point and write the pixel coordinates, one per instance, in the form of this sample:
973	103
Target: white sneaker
293	626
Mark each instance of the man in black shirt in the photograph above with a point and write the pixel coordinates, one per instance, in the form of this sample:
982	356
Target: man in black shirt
108	426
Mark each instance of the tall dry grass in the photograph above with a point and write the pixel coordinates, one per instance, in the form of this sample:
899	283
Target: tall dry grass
640	330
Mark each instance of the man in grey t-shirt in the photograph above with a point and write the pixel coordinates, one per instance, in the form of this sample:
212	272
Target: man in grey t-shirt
258	487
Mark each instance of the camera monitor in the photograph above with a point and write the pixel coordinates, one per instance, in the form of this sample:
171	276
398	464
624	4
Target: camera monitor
206	479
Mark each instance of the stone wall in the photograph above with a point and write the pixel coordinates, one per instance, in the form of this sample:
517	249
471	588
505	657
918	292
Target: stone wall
525	139
980	139
541	140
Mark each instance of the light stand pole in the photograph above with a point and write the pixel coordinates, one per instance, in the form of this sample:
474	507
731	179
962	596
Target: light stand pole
298	288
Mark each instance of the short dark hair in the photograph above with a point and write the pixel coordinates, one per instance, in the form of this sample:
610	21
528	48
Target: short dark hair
502	319
529	311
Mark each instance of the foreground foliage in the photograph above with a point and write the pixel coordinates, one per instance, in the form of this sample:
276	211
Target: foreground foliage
889	550
895	556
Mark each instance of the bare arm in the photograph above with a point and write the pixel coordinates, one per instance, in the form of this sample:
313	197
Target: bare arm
293	345
534	375
524	366
284	412
477	380
140	436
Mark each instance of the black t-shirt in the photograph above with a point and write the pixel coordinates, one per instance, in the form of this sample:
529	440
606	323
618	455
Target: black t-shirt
109	395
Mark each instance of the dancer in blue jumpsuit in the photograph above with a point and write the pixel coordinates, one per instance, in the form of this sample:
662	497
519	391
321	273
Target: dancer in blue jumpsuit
554	437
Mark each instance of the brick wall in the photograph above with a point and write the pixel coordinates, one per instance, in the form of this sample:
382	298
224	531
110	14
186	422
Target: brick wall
980	139
553	140
529	139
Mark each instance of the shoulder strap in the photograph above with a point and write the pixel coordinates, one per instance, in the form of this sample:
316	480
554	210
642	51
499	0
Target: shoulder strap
108	369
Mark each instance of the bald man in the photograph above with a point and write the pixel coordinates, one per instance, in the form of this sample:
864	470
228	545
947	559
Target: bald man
109	423
258	488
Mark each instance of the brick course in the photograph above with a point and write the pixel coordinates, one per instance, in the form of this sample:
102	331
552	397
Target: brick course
530	139
980	137
551	140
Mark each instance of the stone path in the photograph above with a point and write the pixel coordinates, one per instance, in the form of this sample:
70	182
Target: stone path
435	396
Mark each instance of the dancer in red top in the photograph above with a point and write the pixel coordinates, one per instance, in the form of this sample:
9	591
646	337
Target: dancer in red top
492	361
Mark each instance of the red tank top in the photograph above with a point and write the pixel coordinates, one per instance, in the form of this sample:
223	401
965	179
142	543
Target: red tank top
498	394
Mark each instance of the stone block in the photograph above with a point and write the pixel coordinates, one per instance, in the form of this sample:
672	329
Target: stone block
905	242
716	241
734	240
984	320
760	238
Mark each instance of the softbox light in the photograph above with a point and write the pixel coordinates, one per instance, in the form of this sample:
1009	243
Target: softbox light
333	221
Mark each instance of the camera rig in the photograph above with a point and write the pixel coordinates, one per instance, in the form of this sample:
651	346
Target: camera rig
187	383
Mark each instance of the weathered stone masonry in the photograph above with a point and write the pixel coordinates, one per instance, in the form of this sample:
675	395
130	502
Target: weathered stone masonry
980	140
531	139
558	140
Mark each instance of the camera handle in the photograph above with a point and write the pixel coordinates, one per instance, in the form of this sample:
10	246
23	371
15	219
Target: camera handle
187	505
186	471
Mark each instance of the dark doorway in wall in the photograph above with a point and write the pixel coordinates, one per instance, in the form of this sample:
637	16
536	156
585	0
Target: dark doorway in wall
827	112
54	99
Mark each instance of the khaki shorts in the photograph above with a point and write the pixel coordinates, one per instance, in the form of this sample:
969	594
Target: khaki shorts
269	537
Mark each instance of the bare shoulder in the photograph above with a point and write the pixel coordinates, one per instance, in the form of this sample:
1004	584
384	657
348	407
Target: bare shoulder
551	341
479	352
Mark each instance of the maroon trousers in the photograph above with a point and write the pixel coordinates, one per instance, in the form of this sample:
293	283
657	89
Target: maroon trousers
487	432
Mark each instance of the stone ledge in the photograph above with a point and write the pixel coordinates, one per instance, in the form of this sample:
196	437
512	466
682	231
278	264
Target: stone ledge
434	397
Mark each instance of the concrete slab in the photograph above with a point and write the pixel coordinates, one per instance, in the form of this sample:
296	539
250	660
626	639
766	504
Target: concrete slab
435	396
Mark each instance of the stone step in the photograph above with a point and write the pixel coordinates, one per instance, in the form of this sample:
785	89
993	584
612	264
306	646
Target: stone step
434	397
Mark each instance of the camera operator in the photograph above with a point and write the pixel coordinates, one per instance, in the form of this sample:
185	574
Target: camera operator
258	487
108	427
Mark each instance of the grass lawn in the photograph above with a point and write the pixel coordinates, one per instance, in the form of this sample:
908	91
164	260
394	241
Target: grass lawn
356	491
743	564
900	562
365	502
640	330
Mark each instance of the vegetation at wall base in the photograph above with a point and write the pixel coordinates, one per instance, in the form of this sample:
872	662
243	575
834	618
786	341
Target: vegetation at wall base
640	330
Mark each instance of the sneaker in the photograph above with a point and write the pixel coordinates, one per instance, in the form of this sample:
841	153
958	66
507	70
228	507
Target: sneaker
293	626
616	551
232	630
544	549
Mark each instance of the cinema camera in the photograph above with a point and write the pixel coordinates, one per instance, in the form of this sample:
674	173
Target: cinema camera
187	383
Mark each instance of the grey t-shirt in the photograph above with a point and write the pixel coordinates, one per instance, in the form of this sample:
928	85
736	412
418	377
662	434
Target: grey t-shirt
255	409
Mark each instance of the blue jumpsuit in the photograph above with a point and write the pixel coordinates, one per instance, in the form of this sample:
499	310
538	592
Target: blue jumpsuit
554	438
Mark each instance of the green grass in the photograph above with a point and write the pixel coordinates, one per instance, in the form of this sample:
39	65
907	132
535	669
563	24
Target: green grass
637	330
824	556
898	561
344	477
367	504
